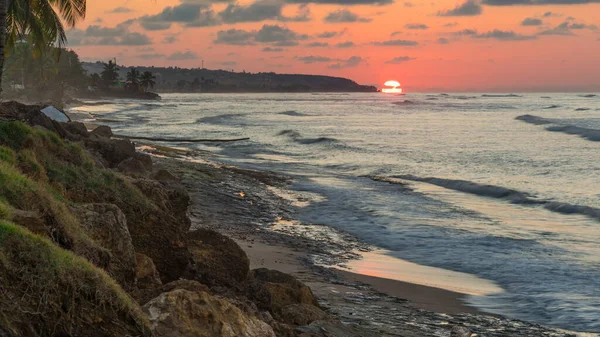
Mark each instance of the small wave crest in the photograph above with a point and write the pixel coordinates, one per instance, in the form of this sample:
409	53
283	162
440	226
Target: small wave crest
499	192
297	137
586	133
292	113
500	95
219	119
553	106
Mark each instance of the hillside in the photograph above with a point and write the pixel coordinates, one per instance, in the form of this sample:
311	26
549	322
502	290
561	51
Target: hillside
174	79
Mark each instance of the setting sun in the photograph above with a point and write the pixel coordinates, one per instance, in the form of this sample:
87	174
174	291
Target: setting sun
394	89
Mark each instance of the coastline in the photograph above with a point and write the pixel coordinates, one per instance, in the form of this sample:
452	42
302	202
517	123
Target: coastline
243	205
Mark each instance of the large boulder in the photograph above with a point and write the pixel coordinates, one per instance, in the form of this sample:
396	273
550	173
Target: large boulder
218	260
76	128
144	296
171	196
114	151
146	274
302	314
132	167
102	131
106	225
273	290
182	313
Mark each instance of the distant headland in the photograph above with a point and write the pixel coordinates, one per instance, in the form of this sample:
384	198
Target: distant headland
175	79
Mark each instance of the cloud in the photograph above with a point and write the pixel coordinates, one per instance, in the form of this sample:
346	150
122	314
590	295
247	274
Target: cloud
396	33
275	35
318	44
504	36
349	63
400	59
464	32
342	2
566	28
234	36
328	35
151	56
254	12
443	40
469	8
187	14
537	2
416	26
119	10
315	59
170	39
344	16
532	22
346	44
272	50
407	43
107	36
182	56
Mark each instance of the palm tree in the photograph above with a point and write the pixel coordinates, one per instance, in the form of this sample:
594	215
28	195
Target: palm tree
110	74
133	76
147	80
41	21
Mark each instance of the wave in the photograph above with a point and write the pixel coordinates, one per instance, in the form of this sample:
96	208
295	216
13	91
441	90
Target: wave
553	106
531	119
297	137
498	192
586	133
219	119
500	95
582	109
406	101
588	96
293	113
589	134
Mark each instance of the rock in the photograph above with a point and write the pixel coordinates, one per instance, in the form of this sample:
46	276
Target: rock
334	329
146	295
55	114
282	290
76	128
145	159
219	261
102	131
107	226
302	314
132	167
114	151
31	221
146	274
182	313
164	175
460	331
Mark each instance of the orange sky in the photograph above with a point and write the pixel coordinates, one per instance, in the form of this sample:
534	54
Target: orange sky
511	58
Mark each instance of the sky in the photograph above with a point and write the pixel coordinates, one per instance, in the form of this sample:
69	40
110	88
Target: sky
443	45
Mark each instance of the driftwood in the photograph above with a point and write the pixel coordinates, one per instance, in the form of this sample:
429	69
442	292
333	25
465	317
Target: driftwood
182	140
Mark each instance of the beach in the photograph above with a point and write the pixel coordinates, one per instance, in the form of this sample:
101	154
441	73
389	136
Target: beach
241	204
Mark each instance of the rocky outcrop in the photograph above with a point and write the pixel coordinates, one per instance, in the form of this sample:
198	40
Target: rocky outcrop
146	295
460	331
218	260
182	313
302	314
132	167
107	226
146	274
113	151
102	131
275	290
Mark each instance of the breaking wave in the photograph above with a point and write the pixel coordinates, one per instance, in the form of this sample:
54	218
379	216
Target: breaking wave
586	133
582	109
553	106
293	113
500	95
219	119
297	137
496	192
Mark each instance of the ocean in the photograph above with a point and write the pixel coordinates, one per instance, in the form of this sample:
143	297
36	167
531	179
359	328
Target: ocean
503	187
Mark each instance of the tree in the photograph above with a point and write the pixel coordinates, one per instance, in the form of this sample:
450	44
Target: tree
133	75
39	21
147	80
110	74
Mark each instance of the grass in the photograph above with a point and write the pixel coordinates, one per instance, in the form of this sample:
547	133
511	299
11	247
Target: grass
54	292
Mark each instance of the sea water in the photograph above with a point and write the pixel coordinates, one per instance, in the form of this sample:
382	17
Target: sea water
503	187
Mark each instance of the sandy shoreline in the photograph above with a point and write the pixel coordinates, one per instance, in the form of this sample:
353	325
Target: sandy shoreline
242	204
